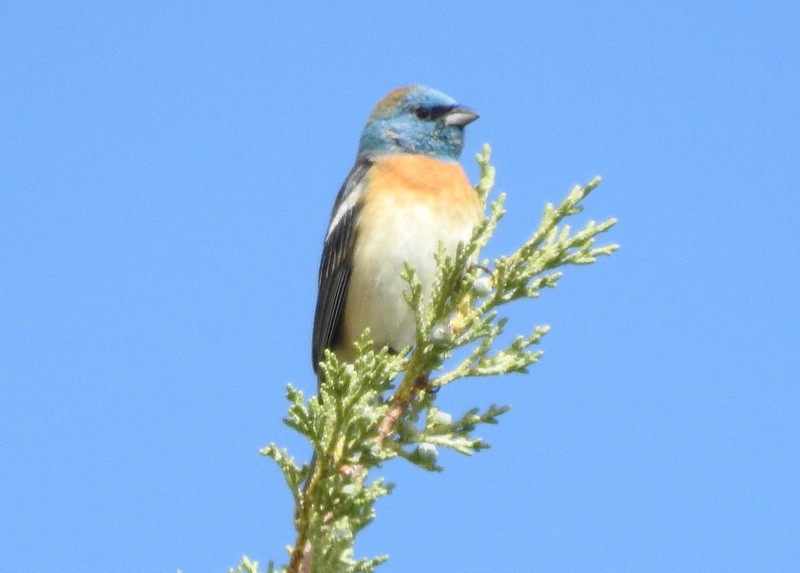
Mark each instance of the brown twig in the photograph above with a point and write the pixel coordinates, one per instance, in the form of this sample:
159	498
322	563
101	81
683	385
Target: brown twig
398	406
302	557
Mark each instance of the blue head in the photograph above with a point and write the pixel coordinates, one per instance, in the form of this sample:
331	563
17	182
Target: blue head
416	120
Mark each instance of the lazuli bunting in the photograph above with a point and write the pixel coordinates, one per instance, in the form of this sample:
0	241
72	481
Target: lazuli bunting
405	194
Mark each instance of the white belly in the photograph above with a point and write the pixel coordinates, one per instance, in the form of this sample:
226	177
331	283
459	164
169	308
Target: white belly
375	295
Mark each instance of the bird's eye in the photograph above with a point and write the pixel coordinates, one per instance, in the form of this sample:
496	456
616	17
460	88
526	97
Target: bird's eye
422	112
432	112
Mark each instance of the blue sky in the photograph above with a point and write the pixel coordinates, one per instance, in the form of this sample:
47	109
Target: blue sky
167	175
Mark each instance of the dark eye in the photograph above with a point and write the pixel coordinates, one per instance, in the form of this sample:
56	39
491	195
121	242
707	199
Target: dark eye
434	112
423	112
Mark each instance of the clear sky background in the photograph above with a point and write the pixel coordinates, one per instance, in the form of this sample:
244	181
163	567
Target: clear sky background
166	175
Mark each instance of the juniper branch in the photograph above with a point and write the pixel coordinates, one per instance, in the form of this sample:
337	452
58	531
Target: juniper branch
361	421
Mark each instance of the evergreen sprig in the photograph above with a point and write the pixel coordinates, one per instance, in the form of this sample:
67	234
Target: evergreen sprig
359	420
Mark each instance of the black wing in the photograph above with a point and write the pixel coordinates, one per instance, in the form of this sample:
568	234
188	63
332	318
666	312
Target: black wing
336	264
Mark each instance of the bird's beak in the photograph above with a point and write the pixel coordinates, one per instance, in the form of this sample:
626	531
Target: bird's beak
460	116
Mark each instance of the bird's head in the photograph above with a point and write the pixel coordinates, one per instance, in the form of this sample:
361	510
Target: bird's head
416	120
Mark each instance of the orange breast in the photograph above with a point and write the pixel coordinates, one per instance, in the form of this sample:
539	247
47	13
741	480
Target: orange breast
422	196
424	177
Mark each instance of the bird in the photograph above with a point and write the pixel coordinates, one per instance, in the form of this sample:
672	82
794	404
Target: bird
405	194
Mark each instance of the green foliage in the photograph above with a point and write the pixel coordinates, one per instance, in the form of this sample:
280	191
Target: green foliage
247	566
359	420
